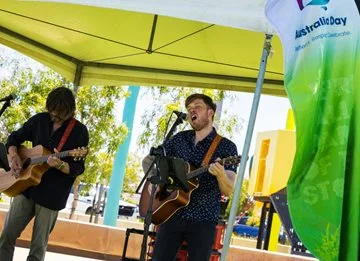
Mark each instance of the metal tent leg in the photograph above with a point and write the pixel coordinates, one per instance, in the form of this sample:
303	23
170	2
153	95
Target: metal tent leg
245	152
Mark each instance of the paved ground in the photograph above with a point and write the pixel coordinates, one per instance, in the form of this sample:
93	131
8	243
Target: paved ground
21	254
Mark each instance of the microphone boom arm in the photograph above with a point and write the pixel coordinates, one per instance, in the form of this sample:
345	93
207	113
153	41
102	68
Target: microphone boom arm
178	121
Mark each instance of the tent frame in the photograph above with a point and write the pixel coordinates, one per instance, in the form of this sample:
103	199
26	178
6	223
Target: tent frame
247	143
80	66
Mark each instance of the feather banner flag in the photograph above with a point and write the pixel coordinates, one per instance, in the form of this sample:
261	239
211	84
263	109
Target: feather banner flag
321	40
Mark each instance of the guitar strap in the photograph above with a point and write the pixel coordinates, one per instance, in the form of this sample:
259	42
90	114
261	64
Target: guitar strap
66	133
211	150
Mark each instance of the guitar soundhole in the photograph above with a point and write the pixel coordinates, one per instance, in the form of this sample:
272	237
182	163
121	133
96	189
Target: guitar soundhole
163	194
26	163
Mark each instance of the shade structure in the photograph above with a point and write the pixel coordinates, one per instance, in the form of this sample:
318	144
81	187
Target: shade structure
200	43
104	44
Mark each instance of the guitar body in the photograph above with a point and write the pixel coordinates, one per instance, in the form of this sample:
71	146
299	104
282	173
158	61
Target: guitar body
29	176
166	202
164	207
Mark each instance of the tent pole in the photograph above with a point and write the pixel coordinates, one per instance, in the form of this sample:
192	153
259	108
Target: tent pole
245	152
78	74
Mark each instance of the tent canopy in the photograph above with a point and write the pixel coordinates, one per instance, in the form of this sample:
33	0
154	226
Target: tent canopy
135	42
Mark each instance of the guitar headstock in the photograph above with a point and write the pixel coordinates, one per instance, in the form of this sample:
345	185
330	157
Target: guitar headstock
79	153
232	160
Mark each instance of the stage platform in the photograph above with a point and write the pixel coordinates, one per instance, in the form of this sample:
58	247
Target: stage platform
21	254
80	241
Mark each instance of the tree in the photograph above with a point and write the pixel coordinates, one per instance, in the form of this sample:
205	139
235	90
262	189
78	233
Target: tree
246	202
169	99
31	89
132	177
95	108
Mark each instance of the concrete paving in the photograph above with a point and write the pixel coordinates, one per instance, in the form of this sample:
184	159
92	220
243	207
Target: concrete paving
21	254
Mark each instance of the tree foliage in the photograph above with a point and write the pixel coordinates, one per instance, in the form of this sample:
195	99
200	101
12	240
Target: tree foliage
132	177
246	202
168	99
31	90
96	107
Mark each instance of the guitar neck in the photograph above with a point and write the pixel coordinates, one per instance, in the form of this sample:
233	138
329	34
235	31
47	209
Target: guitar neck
45	158
226	161
197	172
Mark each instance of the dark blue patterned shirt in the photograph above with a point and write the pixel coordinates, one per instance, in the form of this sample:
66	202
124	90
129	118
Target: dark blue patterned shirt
205	200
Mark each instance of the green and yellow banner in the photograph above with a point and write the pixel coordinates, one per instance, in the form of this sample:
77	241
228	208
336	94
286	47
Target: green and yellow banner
321	40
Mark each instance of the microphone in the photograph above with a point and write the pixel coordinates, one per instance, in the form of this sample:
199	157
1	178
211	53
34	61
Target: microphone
8	98
180	117
180	114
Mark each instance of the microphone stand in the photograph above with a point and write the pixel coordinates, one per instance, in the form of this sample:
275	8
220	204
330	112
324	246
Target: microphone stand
160	150
3	152
155	180
178	121
6	104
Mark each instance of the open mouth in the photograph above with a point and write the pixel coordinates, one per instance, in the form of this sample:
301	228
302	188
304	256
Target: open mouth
193	117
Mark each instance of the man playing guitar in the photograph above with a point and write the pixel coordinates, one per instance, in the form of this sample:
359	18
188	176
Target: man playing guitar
196	222
56	130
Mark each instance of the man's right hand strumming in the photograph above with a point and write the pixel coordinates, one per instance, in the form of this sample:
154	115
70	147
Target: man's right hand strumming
15	161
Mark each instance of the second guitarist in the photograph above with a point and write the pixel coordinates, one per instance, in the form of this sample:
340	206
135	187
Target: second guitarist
45	200
196	223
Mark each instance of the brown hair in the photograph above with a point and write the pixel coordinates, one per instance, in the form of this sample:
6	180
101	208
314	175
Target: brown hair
62	101
207	100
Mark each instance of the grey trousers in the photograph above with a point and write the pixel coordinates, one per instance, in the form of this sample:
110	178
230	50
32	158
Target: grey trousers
21	212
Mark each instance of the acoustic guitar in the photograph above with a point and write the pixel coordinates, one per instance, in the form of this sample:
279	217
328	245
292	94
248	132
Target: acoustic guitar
167	201
33	167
